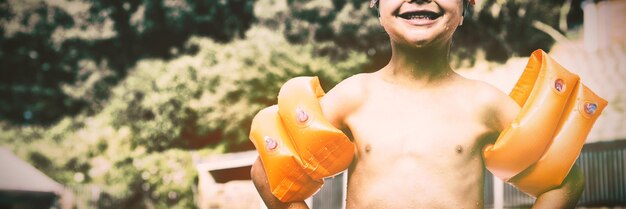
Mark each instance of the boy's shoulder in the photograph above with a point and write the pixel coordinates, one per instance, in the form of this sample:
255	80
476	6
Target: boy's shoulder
344	98
353	86
486	92
355	79
498	108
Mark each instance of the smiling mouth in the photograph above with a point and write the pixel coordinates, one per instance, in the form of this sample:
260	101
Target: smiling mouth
420	15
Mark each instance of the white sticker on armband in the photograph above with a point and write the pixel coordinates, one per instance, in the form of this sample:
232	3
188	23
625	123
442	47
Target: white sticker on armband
590	108
270	143
559	85
301	115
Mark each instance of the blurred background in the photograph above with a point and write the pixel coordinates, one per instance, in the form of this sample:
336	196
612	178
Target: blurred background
148	103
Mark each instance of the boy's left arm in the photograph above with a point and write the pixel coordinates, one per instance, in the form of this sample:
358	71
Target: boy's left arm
566	195
569	192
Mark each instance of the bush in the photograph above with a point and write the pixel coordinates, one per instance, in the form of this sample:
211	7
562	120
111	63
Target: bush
210	97
136	150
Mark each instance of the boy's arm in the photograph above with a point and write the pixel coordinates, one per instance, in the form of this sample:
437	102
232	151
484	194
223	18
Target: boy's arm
342	100
261	183
336	105
565	196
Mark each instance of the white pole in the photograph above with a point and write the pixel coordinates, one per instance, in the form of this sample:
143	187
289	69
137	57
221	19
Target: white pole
344	193
498	193
590	26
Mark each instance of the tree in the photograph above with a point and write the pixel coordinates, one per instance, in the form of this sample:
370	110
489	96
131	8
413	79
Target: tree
136	150
211	97
48	44
493	30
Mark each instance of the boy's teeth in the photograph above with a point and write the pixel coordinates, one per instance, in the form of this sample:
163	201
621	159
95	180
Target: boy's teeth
419	17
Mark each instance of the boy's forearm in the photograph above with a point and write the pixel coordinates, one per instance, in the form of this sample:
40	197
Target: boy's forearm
565	196
259	178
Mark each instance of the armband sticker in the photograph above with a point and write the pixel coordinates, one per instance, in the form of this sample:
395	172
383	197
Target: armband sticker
270	143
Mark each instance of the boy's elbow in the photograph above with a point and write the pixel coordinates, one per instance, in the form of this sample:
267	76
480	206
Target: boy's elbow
575	182
565	196
257	174
574	185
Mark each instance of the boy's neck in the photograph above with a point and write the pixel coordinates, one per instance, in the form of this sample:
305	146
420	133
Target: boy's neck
424	66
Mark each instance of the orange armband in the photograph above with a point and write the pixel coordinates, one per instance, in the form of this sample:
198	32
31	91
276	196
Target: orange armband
297	145
538	149
287	180
581	112
325	150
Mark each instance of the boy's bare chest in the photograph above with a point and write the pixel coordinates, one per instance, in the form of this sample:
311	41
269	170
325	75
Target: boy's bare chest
416	126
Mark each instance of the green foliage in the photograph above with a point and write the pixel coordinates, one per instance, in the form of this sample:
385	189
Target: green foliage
504	29
136	149
45	45
210	97
494	30
32	66
48	47
168	178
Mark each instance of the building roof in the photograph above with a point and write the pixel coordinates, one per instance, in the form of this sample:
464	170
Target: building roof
17	175
227	167
227	161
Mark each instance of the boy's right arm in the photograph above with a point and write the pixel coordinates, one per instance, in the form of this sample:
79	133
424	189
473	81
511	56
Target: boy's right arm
261	183
336	105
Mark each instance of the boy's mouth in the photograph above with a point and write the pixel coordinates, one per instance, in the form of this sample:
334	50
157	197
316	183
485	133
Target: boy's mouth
420	15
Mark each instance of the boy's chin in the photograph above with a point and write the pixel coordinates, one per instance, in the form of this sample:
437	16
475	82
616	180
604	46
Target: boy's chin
419	42
418	36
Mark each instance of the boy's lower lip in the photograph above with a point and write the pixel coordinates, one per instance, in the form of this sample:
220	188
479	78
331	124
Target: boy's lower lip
420	21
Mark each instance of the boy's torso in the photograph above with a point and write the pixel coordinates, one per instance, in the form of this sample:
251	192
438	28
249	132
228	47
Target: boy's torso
417	148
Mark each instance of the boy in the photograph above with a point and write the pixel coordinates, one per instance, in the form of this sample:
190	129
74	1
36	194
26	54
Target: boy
418	126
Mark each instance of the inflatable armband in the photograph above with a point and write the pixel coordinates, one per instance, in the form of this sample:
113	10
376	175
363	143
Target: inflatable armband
325	150
583	109
538	149
287	180
297	145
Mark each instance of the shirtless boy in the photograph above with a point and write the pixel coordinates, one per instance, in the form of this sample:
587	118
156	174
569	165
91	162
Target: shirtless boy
418	126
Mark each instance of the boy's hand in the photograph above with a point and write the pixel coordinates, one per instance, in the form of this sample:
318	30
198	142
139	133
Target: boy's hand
259	178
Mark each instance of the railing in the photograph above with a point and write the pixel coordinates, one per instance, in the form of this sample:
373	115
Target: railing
331	195
604	168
